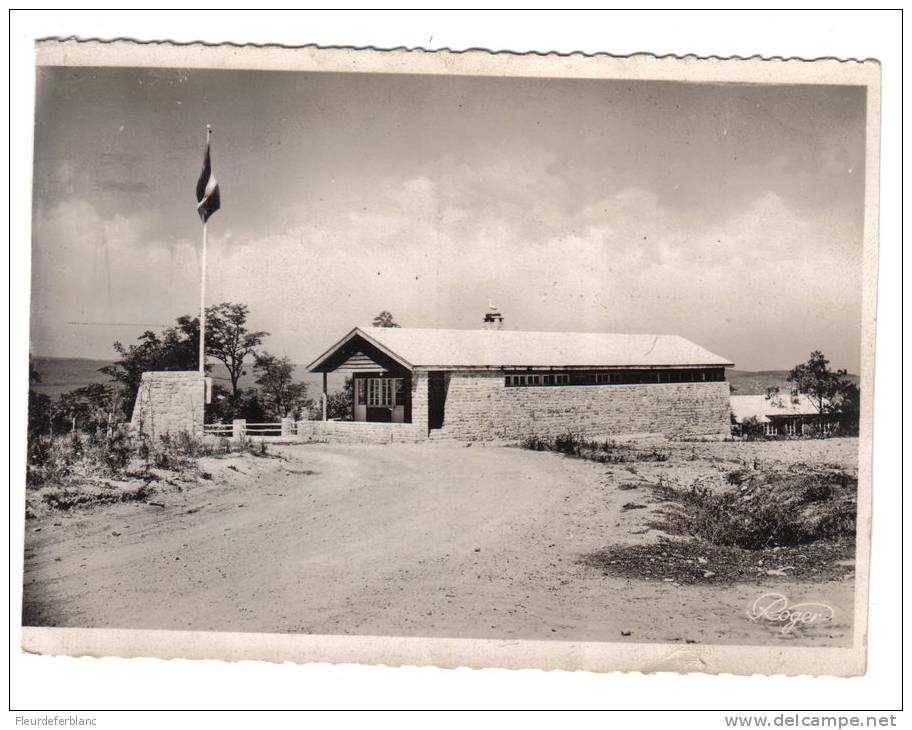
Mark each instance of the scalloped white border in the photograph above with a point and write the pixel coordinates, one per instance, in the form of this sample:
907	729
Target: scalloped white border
472	62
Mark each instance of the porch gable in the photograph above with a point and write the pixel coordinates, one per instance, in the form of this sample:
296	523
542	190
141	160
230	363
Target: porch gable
357	352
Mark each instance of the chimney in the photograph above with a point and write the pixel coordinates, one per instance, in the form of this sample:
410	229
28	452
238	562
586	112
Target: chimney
493	319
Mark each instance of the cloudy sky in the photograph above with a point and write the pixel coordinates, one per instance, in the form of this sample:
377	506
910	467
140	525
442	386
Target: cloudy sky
729	214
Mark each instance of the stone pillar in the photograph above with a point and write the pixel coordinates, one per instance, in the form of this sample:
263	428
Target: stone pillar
238	428
288	427
420	398
169	402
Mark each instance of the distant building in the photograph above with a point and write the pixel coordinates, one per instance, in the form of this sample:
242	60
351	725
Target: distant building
782	414
492	383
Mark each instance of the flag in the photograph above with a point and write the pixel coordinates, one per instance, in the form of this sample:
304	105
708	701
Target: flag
207	189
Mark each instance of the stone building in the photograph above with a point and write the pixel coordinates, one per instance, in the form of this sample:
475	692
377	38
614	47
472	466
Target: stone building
492	383
779	414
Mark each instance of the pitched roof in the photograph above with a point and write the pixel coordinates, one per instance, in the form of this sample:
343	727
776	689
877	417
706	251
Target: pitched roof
490	348
761	407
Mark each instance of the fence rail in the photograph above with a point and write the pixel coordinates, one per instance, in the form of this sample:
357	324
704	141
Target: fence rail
240	428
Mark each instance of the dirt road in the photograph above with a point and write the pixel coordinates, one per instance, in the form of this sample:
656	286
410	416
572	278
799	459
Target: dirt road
425	539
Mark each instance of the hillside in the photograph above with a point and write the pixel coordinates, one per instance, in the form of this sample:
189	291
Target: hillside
746	382
60	374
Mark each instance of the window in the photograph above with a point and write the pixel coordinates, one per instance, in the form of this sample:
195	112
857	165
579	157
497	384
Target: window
790	428
616	377
381	392
769	429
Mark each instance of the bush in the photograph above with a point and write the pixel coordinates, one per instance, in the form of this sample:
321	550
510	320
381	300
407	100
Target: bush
534	443
751	429
605	452
567	443
47	461
338	404
115	450
766	510
79	459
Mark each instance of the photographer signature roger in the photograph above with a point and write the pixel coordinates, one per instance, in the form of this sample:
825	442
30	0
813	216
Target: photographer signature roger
776	608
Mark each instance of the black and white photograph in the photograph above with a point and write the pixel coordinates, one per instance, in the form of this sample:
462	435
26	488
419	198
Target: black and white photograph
538	352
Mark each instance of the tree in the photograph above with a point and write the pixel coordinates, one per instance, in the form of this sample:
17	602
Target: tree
34	375
281	396
849	399
39	406
817	381
831	392
384	319
229	341
751	428
177	348
339	404
89	408
39	414
250	406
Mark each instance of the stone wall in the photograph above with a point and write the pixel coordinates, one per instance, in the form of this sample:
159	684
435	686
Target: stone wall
420	399
479	406
361	432
169	402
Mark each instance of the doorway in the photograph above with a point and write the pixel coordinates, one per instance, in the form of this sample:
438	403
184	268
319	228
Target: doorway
437	391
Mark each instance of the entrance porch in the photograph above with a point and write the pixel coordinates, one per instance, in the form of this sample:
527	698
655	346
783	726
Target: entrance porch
385	388
382	397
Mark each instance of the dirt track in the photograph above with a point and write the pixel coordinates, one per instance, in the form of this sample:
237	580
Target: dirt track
431	539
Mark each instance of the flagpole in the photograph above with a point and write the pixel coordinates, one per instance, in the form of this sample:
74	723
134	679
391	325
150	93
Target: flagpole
202	332
202	349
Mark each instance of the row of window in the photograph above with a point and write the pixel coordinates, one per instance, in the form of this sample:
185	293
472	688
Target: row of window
380	392
616	377
770	429
792	427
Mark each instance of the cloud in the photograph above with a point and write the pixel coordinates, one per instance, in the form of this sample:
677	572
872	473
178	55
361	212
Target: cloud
86	268
555	253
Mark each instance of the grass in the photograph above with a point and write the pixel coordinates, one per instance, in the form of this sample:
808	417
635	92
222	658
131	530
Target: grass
763	509
77	469
605	452
66	498
696	562
764	524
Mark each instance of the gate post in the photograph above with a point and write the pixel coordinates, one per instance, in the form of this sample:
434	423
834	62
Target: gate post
238	428
288	427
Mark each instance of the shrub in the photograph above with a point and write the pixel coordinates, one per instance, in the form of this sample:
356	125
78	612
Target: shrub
534	443
767	510
567	443
605	452
116	450
47	461
737	476
751	428
66	498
